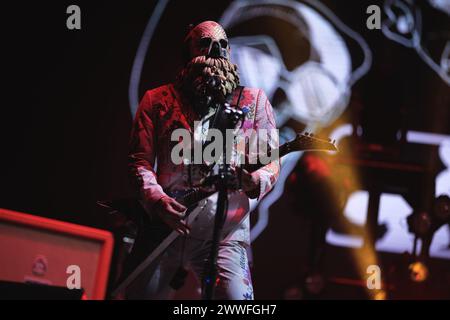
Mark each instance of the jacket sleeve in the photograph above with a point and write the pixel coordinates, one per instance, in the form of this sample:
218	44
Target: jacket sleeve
264	119
142	153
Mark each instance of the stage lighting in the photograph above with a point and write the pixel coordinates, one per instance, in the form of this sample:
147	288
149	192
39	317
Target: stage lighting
380	295
314	283
418	271
419	223
441	209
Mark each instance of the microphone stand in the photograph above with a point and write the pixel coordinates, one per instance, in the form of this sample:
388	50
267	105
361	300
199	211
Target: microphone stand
221	182
210	280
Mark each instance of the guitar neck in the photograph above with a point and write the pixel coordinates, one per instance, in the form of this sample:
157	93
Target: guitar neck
283	150
302	142
194	195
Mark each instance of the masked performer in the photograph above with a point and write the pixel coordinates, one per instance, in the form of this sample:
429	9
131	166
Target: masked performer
207	75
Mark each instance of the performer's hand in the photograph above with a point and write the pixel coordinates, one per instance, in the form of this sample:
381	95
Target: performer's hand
172	213
250	184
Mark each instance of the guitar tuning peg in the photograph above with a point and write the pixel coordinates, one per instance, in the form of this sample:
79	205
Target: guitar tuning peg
329	139
306	133
334	141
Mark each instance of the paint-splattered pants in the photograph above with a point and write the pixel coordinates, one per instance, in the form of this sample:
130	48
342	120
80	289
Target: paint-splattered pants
234	280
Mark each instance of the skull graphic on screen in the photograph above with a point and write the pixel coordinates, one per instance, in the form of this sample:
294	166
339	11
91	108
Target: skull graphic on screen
302	50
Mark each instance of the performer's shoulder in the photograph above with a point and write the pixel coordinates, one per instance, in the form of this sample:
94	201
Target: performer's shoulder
157	98
251	94
250	89
159	93
254	91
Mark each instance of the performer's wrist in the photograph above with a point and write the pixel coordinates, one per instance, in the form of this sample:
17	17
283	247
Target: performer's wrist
254	192
158	204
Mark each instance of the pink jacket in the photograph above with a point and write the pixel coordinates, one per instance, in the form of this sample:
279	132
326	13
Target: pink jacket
163	110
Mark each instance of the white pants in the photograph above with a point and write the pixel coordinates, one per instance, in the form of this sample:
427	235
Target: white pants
234	280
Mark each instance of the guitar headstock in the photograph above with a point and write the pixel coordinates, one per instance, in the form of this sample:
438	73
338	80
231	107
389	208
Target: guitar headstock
307	141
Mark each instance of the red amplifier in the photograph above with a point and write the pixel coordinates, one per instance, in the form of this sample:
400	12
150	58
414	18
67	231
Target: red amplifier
45	251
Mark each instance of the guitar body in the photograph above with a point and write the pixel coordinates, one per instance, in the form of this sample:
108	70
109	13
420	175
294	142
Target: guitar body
153	237
151	232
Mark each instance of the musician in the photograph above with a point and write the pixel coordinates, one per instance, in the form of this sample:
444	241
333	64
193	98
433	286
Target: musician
178	105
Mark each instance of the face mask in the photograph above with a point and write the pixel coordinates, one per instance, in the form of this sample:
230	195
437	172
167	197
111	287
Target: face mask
207	39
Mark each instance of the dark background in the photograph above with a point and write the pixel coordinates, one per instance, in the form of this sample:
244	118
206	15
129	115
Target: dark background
65	116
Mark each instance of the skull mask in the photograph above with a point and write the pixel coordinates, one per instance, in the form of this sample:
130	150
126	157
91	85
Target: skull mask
208	74
207	39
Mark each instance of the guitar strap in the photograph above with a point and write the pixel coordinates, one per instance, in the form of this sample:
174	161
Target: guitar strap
240	88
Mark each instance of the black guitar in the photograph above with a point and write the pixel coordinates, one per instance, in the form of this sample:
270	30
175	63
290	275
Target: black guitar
158	236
